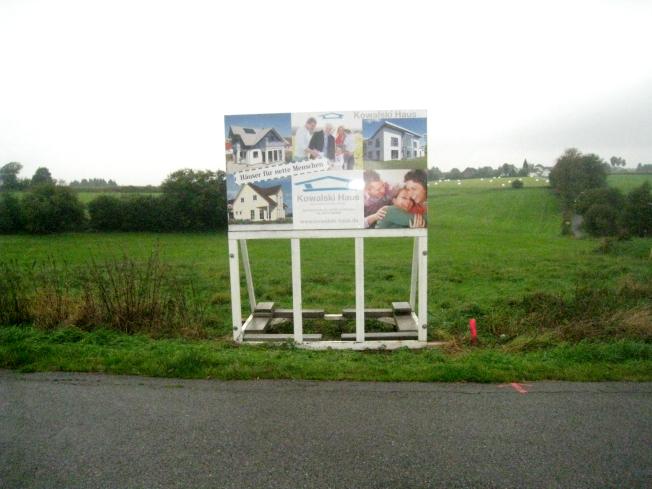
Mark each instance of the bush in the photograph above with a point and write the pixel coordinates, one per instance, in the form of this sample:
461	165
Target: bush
637	213
608	196
106	213
11	219
51	209
195	200
145	213
601	220
134	213
517	183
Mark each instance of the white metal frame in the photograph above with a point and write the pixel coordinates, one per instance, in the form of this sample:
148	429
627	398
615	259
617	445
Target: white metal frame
418	283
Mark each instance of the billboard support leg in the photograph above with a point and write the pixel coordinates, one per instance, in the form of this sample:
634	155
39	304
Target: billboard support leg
297	306
359	289
422	326
234	266
247	269
413	276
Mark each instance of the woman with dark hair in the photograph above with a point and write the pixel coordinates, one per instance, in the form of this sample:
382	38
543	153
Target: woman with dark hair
416	183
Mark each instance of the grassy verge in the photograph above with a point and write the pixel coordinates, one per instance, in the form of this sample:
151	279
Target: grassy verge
70	349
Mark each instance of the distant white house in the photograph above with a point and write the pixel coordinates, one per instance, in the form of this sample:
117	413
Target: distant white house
393	142
254	203
252	145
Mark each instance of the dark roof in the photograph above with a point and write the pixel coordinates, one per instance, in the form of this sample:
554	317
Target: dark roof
250	136
266	192
393	126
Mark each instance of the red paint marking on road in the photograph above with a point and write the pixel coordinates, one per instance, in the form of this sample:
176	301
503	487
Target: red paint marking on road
520	388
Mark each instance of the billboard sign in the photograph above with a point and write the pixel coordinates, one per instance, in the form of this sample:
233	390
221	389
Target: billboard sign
327	170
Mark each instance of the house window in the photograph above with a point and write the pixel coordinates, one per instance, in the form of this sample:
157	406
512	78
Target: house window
377	155
243	155
414	144
253	214
254	154
395	154
377	143
409	154
394	141
255	197
262	214
241	199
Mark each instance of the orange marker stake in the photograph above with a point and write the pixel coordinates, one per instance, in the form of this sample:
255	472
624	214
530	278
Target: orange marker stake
474	331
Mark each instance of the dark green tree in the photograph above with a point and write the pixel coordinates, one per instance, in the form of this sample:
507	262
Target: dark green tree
575	172
42	175
9	176
508	170
195	200
434	173
637	212
11	219
617	161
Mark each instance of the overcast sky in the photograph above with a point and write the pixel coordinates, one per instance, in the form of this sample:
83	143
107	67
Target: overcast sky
132	90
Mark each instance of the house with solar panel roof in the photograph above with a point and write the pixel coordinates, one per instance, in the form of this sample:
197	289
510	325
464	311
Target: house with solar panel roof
253	145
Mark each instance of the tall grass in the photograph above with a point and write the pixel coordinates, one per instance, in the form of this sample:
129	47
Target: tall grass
121	293
135	296
15	297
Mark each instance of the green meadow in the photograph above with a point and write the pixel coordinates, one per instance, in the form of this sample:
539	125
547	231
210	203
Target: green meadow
420	163
495	254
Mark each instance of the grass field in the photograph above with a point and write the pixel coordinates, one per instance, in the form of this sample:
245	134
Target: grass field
418	163
86	196
490	247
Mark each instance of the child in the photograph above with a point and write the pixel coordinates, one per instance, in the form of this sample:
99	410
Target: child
399	214
376	198
338	163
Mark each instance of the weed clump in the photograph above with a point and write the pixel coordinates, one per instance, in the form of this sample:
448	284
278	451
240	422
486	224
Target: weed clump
120	294
590	313
15	294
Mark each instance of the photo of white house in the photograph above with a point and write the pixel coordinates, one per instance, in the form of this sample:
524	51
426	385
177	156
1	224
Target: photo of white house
259	204
253	145
390	141
254	141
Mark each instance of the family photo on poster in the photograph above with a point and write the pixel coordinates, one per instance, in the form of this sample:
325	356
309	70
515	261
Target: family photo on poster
395	199
334	136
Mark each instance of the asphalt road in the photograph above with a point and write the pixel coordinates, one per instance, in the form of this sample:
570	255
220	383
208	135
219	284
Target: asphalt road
82	430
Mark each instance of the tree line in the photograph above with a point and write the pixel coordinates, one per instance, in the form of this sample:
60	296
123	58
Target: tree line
189	200
505	170
616	164
580	180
